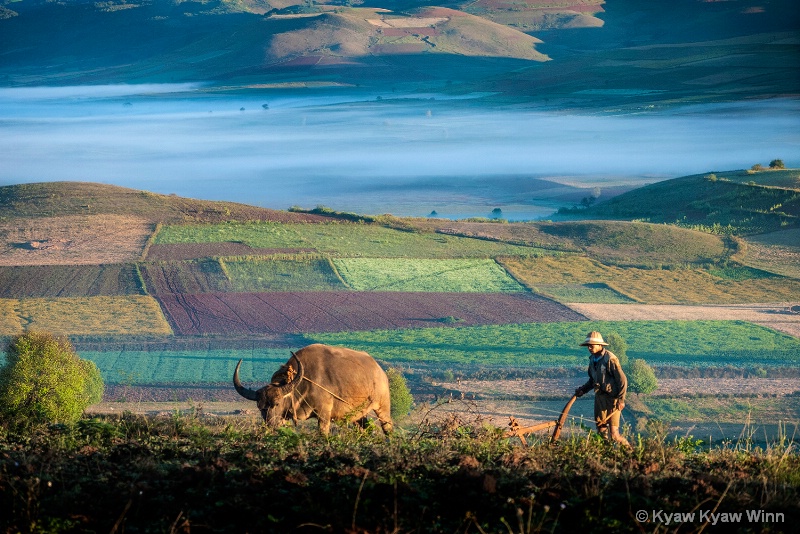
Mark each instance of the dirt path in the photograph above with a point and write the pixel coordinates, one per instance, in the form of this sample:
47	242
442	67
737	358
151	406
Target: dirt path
773	315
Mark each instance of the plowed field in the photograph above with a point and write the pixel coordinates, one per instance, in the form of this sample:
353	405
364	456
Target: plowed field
32	281
184	277
334	311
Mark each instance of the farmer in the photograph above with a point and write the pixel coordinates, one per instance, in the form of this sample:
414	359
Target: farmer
609	384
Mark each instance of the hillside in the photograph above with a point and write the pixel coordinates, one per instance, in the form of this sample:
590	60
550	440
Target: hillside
52	199
749	202
601	54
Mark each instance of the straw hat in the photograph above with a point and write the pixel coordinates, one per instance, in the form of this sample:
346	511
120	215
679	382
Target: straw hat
594	338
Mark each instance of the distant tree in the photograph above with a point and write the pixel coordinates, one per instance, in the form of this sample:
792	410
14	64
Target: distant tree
399	394
777	164
618	345
641	378
44	381
757	167
497	213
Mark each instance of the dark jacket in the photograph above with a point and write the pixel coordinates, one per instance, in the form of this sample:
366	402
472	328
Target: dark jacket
606	376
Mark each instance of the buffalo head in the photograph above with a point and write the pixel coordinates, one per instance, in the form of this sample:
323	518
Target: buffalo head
275	400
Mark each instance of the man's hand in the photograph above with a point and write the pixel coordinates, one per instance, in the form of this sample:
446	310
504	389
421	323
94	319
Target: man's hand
578	392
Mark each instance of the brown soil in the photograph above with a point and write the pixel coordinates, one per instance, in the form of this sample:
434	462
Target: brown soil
73	240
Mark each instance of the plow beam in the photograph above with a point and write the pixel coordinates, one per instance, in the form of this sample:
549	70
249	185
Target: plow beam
521	431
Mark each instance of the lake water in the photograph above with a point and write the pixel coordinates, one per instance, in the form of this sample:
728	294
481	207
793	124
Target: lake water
371	152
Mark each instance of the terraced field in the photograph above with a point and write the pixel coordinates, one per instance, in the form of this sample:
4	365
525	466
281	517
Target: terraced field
436	297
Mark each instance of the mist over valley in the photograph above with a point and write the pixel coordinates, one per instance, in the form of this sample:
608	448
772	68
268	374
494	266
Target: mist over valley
373	151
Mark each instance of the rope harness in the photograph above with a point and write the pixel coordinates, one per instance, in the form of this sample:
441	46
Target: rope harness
323	388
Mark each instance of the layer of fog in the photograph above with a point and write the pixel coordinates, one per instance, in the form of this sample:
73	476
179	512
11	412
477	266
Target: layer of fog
369	153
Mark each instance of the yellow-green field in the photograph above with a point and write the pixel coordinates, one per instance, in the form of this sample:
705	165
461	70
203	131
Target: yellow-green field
655	286
9	321
85	316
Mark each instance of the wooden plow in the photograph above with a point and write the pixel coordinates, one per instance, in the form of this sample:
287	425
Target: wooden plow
521	431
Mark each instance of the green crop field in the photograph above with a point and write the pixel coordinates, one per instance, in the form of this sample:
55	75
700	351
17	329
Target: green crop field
206	366
282	275
344	239
674	343
693	343
654	286
399	274
135	314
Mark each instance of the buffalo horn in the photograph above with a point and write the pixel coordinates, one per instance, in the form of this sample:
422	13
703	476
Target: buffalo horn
247	393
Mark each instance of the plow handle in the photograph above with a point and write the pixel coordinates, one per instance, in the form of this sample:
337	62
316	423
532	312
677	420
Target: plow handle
563	418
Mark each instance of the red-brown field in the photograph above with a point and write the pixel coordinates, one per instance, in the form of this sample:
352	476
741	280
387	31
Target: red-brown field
184	277
334	311
192	251
32	281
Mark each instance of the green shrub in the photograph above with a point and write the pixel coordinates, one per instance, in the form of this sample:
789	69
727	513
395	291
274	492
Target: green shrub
641	378
44	381
777	164
618	345
400	395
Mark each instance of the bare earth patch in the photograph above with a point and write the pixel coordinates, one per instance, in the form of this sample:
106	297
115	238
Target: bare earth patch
73	240
775	316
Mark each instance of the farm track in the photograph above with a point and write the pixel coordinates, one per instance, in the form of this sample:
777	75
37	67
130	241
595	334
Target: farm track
773	316
334	311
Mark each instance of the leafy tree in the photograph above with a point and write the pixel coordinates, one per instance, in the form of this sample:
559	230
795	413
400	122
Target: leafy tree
777	164
618	345
400	395
44	380
757	167
641	378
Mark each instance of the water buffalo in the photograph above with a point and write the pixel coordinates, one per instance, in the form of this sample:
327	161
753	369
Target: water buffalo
329	383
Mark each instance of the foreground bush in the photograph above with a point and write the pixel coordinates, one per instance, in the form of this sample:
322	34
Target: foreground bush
44	381
176	473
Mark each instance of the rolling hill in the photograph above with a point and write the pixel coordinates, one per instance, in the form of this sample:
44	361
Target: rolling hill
619	53
748	202
52	199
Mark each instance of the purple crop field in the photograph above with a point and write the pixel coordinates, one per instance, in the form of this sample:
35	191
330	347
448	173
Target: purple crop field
334	311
